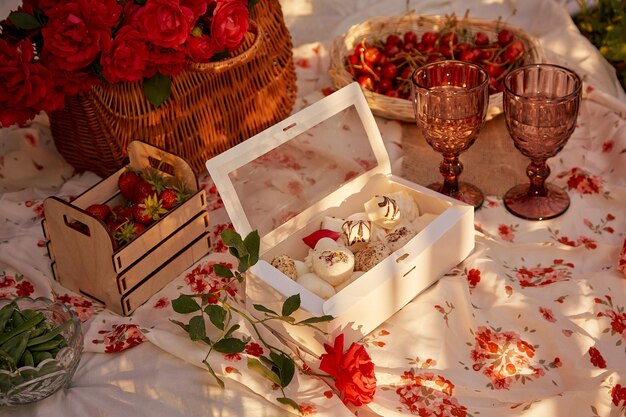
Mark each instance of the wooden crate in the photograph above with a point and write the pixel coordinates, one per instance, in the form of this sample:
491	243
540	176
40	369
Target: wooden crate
123	278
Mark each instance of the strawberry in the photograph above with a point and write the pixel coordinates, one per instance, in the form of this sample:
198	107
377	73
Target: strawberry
155	179
169	198
127	231
143	189
149	210
99	211
127	182
121	213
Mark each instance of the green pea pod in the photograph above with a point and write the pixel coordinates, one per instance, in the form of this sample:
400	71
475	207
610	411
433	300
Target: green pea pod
5	314
17	352
6	361
41	347
49	335
11	343
17	318
27	358
27	325
39	357
28	313
39	330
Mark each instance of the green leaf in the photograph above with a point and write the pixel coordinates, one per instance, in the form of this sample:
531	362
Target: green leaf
251	4
229	345
185	304
232	329
197	330
222	271
244	263
233	239
313	320
256	365
23	20
286	367
253	244
217	314
288	401
261	307
157	89
182	325
291	304
217	378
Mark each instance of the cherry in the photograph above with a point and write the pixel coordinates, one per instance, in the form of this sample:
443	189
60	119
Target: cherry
405	74
449	38
389	70
384	85
481	39
505	37
372	54
393	40
392	93
410	37
391	50
429	38
513	51
367	82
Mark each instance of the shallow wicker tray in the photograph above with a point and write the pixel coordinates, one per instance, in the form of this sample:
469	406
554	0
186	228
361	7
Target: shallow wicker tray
379	28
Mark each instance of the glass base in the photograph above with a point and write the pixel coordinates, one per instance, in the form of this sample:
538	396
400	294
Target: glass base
468	193
519	203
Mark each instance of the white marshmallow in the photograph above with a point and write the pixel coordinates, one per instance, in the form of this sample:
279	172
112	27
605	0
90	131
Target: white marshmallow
383	211
333	265
301	267
325	243
316	285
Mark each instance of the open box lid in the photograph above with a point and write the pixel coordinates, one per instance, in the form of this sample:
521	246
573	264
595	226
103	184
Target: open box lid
281	178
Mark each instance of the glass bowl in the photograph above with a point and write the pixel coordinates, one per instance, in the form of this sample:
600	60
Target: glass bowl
28	384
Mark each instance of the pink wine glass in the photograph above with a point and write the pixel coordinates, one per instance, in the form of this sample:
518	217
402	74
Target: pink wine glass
540	108
450	101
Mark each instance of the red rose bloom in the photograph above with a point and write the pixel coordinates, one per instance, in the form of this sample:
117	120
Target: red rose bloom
230	23
25	84
353	371
165	23
105	13
197	7
127	57
71	37
165	61
200	49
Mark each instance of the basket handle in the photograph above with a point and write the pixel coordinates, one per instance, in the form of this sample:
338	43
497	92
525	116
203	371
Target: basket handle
240	59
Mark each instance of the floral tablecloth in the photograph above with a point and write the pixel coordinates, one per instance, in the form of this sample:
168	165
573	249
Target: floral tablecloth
532	323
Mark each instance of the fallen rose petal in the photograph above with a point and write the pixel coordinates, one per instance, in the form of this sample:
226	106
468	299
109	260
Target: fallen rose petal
312	239
621	263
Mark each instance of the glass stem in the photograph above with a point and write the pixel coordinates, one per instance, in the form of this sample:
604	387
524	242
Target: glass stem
450	168
537	172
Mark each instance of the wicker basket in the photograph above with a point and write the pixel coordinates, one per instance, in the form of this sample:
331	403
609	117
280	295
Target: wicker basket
378	28
212	106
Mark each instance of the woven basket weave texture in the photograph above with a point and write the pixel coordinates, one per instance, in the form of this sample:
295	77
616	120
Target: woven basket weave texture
212	107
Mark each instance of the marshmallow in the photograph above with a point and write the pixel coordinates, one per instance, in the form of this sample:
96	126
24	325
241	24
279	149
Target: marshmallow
286	265
399	237
383	211
316	285
301	268
325	243
357	231
333	265
406	204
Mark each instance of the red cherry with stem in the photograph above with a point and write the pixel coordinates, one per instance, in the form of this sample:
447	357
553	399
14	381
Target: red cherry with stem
449	38
389	70
513	51
393	40
392	93
372	54
481	39
429	38
391	50
366	82
410	37
384	85
505	37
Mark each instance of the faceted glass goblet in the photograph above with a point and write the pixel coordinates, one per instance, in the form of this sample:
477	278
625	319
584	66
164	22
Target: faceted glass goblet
541	104
450	101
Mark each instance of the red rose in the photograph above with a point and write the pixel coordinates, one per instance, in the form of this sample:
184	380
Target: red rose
200	49
165	23
353	371
197	7
230	23
71	37
25	84
105	13
127	58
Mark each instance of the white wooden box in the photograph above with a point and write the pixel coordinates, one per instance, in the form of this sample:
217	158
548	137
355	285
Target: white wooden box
375	296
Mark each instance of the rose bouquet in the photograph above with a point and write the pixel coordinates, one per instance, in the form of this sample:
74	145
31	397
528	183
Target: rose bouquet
50	49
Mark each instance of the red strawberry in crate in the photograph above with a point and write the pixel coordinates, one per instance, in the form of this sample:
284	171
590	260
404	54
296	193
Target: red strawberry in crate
121	214
168	198
128	231
99	211
149	210
127	183
143	190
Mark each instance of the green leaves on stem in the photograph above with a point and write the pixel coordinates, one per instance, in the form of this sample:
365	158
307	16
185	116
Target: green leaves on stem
277	366
157	89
